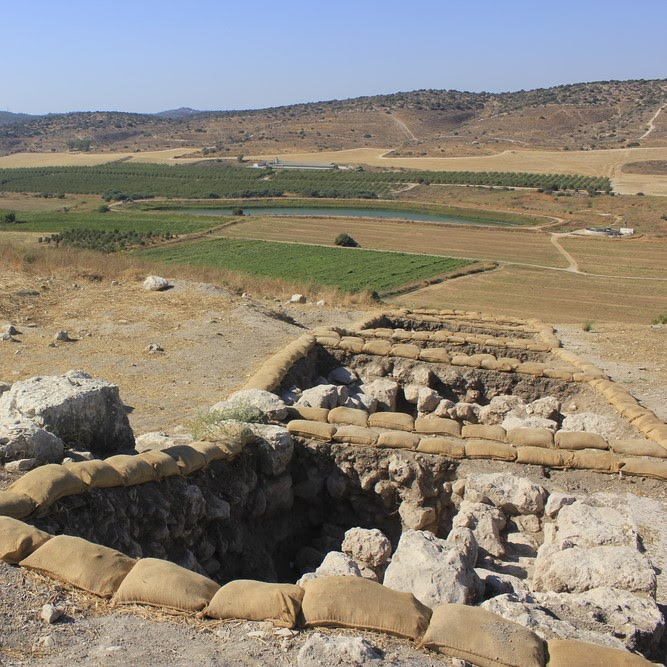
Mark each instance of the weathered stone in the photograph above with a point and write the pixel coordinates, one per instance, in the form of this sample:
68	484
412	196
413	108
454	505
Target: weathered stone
411	392
547	407
513	495
338	564
556	501
435	571
20	465
267	403
512	421
275	446
368	545
466	542
576	570
156	284
591	422
499	583
342	375
486	522
416	517
363	401
466	412
320	396
384	391
326	650
50	614
527	523
443	408
75	408
23	439
498	408
160	440
427	400
298	298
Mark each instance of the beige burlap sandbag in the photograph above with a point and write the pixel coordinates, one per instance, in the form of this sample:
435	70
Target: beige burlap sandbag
356	435
162	463
558	374
354	602
573	653
380	347
91	567
422	335
16	505
352	416
18	540
542	456
215	450
160	583
646	422
639	447
579	440
530	437
489	449
633	412
478	359
397	421
510	362
384	332
132	469
437	426
47	484
406	350
96	474
353	344
654	468
435	354
309	414
531	368
328	341
444	446
464	360
482	638
484	432
187	458
398	440
310	429
594	459
257	601
401	334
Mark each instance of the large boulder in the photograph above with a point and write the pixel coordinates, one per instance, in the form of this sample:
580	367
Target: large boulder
498	407
275	446
368	545
264	402
76	408
435	571
156	284
591	422
384	391
513	421
320	396
513	495
547	407
485	522
23	439
577	569
342	375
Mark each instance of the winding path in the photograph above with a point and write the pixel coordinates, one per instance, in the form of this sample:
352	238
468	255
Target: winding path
572	267
651	123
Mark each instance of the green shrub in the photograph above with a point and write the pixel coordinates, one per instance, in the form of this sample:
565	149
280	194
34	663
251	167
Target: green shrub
587	325
661	319
346	241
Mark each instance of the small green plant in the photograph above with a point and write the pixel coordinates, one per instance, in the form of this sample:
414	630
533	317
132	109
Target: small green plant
231	421
345	241
661	319
587	325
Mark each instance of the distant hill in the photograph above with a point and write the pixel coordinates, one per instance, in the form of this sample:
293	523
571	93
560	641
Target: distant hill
9	118
603	114
181	112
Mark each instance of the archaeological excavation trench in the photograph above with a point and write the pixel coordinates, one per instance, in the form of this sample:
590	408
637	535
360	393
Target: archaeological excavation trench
410	455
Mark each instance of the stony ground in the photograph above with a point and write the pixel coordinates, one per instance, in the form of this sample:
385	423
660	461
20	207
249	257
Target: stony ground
212	341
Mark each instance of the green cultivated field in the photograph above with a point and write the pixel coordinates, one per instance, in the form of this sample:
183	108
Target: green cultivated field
346	269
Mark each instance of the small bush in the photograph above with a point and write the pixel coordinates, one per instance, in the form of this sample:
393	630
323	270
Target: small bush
237	211
346	241
587	325
231	422
661	319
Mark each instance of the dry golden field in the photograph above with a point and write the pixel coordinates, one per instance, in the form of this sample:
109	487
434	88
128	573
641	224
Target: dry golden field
552	296
67	159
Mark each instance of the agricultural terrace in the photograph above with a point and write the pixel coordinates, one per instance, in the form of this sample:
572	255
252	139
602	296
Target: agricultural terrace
122	180
350	270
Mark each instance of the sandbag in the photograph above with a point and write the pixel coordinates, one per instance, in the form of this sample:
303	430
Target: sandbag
398	440
542	456
530	437
309	414
531	368
47	484
634	411
464	360
444	446
348	416
162	463
354	602
356	435
312	430
353	344
558	374
422	335
257	601
646	423
397	421
638	447
16	505
214	451
482	638
437	426
132	469
188	459
489	449
381	347
573	653
579	440
328	341
507	363
594	459
96	474
401	334
435	354
484	432
91	567
477	360
18	540
160	583
405	350
384	332
654	468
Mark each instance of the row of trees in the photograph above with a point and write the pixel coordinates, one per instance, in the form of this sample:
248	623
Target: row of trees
105	241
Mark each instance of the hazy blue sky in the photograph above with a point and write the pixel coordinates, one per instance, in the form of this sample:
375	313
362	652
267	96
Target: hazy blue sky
149	55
